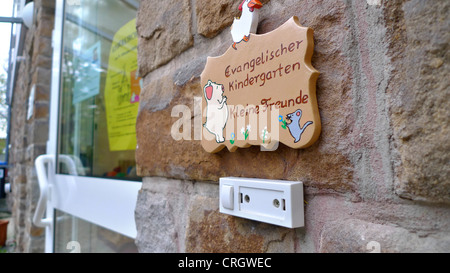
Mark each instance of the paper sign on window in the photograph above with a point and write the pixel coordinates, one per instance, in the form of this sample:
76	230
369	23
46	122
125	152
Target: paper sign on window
122	90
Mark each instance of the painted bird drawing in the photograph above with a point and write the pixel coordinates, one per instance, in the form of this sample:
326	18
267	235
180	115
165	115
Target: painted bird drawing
247	23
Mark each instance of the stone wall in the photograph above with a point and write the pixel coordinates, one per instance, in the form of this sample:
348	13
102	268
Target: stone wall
29	136
377	178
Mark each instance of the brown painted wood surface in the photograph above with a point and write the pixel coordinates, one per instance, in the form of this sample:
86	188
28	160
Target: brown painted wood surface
264	82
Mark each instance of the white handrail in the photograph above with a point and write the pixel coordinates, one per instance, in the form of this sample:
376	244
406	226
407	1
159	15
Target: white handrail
41	171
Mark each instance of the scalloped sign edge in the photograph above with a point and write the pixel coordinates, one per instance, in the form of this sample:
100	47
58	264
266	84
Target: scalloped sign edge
263	92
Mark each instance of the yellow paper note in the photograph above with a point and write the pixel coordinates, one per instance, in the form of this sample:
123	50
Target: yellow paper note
122	89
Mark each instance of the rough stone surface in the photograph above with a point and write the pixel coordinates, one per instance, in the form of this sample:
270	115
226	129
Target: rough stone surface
343	141
221	233
376	180
164	28
215	16
182	216
379	171
360	93
420	96
352	235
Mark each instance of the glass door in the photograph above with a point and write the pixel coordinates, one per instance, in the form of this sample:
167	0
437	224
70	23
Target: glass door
95	98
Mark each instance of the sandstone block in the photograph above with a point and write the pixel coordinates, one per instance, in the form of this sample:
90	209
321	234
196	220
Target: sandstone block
420	97
37	132
45	21
212	232
164	29
352	235
42	76
42	92
186	159
214	16
155	224
46	3
33	151
43	46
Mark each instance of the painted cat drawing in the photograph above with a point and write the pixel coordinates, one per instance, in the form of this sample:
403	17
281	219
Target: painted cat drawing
216	110
294	126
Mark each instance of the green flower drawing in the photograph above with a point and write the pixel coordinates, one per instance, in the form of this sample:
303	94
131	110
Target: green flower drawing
264	134
232	139
283	121
246	131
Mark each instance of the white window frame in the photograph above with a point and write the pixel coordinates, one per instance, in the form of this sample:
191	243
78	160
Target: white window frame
109	203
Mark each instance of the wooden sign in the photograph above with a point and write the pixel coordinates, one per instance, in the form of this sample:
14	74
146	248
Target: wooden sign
262	91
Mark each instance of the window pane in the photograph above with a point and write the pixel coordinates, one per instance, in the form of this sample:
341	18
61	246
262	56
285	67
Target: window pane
75	234
100	89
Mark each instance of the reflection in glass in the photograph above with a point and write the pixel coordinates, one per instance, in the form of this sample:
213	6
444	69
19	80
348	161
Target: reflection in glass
73	234
90	71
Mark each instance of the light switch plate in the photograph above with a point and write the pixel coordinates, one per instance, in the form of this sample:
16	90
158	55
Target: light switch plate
271	201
